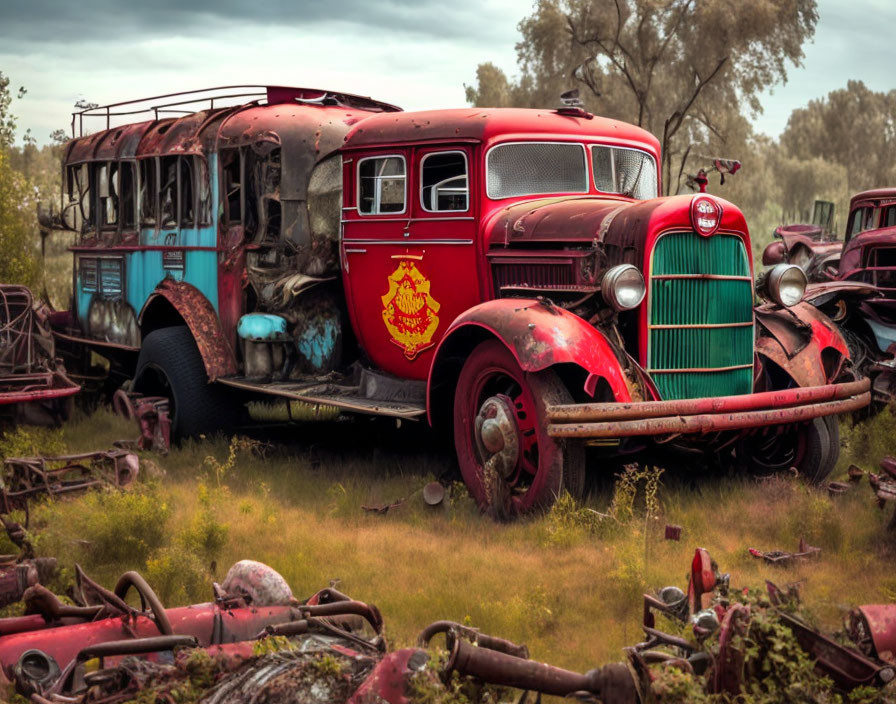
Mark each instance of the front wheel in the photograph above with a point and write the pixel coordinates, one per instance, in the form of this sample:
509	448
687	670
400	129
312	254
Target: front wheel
811	448
508	461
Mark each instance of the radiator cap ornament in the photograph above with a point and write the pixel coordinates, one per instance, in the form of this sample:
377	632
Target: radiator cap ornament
706	215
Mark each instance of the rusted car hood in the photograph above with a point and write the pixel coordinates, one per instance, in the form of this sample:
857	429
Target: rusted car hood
551	220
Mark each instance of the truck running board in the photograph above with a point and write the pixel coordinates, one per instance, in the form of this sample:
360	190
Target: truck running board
348	398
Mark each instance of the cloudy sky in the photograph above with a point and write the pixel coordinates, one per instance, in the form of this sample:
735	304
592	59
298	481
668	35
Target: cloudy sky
414	53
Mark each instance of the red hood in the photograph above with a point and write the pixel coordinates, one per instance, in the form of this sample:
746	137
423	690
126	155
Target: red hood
560	218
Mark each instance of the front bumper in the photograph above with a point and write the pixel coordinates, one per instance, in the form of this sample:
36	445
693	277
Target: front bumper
706	415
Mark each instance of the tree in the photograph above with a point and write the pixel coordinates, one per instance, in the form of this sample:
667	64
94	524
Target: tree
678	68
853	127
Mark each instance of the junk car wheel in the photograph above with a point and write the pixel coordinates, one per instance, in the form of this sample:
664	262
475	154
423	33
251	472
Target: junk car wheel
170	365
508	461
812	449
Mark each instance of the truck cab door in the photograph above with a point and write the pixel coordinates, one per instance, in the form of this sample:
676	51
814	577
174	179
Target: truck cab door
409	252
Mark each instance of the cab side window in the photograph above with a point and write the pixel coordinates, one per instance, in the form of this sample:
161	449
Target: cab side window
889	219
382	185
444	184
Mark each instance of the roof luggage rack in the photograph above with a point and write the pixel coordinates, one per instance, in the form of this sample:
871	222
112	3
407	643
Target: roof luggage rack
191	101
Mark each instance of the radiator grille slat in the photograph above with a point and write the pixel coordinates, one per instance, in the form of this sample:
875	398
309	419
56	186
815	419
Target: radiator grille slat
533	275
718	360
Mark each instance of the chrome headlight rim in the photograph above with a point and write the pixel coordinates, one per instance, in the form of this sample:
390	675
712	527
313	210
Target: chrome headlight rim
781	277
618	277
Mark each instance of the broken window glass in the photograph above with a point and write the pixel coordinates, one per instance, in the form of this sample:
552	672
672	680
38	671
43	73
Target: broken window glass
204	190
230	166
168	195
128	195
381	185
187	206
107	178
444	183
148	192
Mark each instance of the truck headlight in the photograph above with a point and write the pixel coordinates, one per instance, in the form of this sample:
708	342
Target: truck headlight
786	284
623	287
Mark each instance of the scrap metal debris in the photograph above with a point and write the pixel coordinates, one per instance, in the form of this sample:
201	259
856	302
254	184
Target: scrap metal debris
780	557
884	487
152	416
27	477
433	495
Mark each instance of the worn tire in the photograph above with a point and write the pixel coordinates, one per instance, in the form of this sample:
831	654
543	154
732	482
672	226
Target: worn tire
812	449
170	365
547	466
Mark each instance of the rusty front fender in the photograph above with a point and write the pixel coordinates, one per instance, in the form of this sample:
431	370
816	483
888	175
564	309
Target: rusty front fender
539	335
200	316
803	341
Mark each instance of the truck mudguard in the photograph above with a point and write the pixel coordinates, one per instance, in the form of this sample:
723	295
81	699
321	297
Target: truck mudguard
802	341
539	334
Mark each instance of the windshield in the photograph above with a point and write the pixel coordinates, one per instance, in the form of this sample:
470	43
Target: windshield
626	171
536	167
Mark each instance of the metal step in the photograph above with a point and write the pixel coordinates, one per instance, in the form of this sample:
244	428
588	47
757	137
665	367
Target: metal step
348	398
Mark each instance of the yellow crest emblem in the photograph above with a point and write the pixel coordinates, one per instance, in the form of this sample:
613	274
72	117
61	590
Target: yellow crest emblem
409	310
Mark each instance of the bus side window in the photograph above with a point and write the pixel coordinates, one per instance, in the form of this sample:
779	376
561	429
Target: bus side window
204	191
168	195
270	195
108	194
148	192
128	199
231	176
187	205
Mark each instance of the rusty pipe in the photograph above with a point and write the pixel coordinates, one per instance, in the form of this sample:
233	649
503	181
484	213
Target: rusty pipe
138	646
708	423
453	629
612	683
765	400
368	612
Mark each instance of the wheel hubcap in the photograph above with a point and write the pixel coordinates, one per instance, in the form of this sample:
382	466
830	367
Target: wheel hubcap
497	435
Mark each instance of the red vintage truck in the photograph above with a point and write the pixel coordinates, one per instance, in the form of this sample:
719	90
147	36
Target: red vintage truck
511	275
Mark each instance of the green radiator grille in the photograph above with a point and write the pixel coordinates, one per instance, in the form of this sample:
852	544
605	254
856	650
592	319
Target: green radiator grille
699	325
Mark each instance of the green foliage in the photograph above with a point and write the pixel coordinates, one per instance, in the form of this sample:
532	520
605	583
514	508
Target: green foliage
30	441
18	240
112	527
178	576
205	534
272	644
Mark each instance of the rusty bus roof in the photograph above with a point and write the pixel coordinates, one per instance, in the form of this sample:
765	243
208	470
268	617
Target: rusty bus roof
484	125
328	116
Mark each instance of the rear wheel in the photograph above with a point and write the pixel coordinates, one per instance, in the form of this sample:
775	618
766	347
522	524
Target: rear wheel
812	449
170	365
508	461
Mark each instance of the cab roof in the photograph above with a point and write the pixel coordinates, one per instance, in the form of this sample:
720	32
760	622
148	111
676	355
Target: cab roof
488	124
874	194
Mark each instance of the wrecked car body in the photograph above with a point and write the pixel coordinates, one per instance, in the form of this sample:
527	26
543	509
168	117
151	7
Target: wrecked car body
33	383
313	253
265	645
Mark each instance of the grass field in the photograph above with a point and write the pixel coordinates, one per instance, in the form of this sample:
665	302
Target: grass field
566	583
